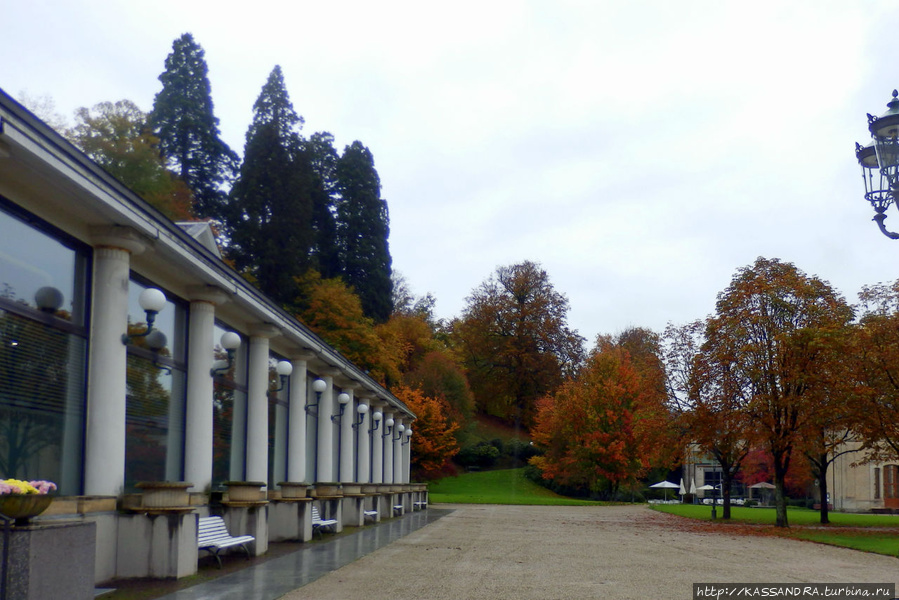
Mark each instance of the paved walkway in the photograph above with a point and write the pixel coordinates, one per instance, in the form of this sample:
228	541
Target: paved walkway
474	552
274	578
621	552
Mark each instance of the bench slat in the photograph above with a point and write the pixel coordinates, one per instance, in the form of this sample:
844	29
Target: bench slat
212	536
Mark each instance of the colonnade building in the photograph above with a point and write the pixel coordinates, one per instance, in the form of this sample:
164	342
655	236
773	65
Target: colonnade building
110	414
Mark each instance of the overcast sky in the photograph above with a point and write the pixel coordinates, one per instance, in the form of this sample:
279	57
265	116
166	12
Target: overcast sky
640	151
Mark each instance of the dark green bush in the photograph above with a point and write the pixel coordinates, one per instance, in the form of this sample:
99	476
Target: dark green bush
482	455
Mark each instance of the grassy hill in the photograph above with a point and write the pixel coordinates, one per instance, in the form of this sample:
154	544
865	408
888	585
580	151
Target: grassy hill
506	486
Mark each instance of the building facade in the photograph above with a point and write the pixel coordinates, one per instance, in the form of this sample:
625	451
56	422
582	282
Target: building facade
89	402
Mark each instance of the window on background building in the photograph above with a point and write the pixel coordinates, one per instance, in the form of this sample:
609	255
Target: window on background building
877	483
154	408
891	482
277	423
43	350
229	413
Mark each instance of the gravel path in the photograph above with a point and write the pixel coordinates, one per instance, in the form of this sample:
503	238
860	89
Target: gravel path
618	552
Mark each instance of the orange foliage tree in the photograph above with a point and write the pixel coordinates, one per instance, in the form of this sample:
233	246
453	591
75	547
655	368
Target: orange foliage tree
601	429
331	310
433	442
876	349
776	335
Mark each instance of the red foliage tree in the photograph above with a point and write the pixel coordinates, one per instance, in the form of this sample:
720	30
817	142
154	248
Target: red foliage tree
433	442
601	429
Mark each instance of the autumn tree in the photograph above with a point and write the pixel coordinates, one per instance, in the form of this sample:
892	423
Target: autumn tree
600	429
268	224
515	342
116	137
363	228
876	353
439	375
433	442
713	408
189	139
331	310
773	333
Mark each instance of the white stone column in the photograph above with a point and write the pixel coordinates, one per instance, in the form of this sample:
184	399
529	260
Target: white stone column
387	436
104	452
325	446
398	430
257	403
407	457
198	440
377	446
347	462
363	445
296	425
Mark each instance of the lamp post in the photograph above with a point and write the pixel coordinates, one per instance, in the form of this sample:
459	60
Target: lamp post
880	162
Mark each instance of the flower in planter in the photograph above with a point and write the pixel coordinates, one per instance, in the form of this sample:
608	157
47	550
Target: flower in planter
16	486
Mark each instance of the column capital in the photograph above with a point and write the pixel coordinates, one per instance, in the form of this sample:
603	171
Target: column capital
117	236
264	330
208	293
303	355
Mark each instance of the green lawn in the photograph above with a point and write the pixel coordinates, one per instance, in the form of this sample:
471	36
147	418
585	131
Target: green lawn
870	533
795	516
879	543
508	486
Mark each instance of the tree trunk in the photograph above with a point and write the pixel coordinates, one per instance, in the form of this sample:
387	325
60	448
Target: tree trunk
780	499
726	479
822	487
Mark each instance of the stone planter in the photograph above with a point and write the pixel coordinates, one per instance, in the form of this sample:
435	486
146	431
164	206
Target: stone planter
23	507
164	494
245	491
384	488
327	489
293	489
353	489
370	488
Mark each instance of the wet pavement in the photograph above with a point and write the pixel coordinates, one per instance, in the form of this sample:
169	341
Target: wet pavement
274	578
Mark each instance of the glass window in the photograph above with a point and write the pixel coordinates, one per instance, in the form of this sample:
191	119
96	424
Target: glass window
31	262
43	350
229	419
277	424
155	401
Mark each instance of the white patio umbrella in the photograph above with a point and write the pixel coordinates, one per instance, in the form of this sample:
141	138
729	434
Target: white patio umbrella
693	487
682	490
666	485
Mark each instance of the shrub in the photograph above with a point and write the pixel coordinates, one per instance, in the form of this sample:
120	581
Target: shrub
481	455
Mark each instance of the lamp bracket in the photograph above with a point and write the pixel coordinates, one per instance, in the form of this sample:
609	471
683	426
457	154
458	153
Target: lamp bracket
880	218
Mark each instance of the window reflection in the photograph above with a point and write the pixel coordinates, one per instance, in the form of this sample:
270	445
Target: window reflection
30	261
155	402
43	352
229	418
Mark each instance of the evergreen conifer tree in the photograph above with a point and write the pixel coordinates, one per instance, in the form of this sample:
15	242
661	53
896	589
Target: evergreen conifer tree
269	222
363	227
320	148
188	131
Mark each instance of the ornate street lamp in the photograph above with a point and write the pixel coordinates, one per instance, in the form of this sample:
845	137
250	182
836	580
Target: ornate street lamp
880	162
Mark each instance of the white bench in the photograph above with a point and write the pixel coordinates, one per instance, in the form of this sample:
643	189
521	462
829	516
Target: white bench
398	509
370	514
318	523
421	504
213	536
